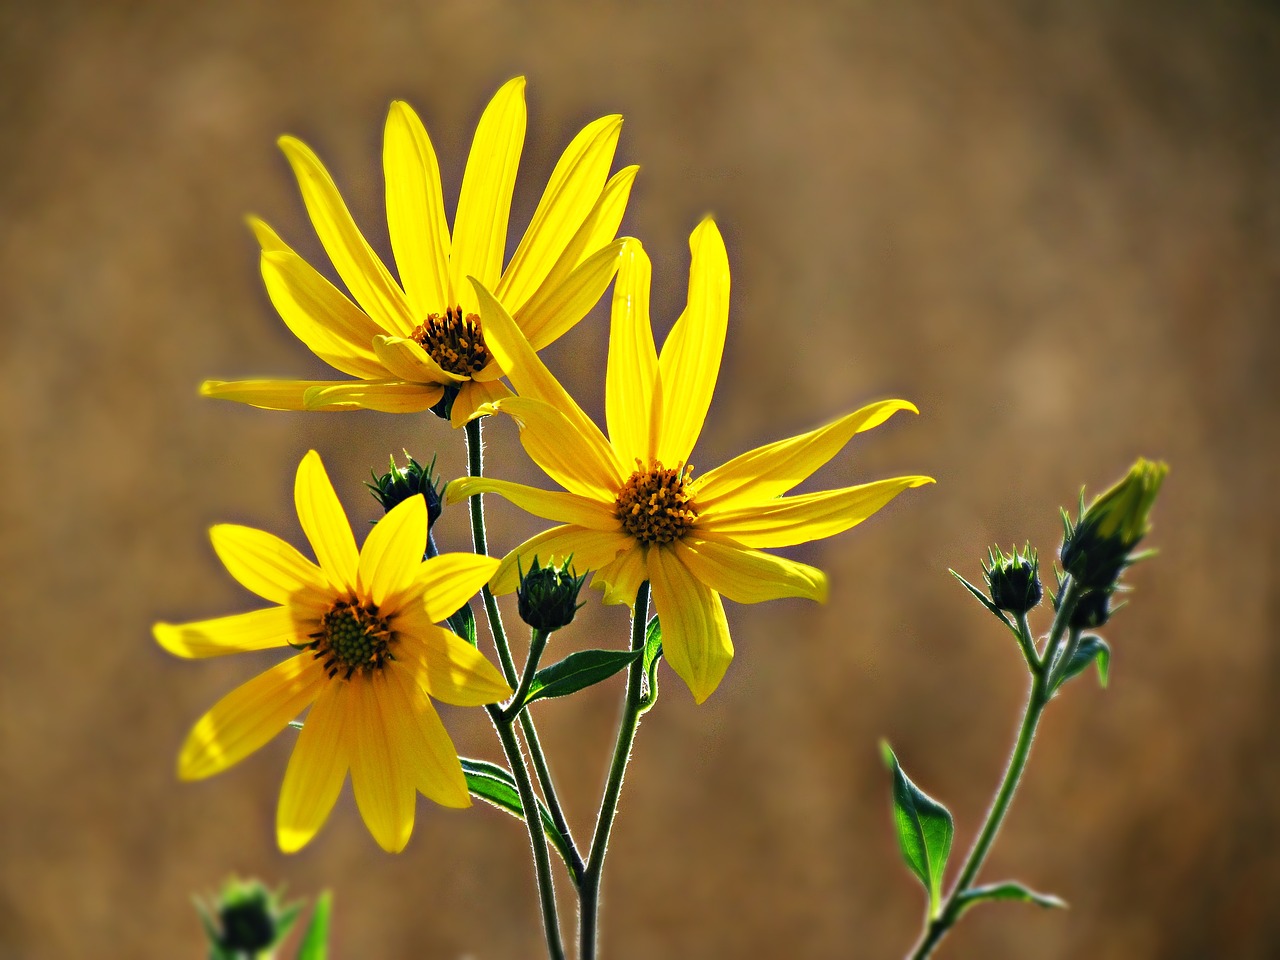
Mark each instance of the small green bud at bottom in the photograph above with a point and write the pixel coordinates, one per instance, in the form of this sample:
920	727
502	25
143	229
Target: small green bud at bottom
548	596
1014	579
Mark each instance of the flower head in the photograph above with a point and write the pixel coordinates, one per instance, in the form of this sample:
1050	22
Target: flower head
418	343
633	509
1099	545
368	657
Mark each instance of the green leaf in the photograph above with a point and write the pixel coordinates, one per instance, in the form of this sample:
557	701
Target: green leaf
1091	649
985	601
652	654
463	623
578	670
496	786
925	829
1009	890
315	942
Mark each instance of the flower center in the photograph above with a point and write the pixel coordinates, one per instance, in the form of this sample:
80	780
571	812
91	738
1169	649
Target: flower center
653	505
352	637
454	341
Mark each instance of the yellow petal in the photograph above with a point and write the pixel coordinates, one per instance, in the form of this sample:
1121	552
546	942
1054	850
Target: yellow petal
633	360
473	395
810	516
266	236
361	270
607	216
564	306
690	360
484	205
425	747
325	523
392	553
388	396
695	633
549	504
556	446
249	716
590	550
749	576
572	191
317	767
770	471
381	781
407	360
265	564
445	665
620	579
415	211
450	580
265	394
257	630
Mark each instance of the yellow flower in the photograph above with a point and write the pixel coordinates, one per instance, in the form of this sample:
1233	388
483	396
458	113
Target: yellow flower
370	653
631	509
410	341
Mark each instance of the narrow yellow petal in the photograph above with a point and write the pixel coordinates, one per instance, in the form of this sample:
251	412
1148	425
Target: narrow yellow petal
266	235
325	523
810	516
549	504
407	360
574	299
575	186
555	445
382	784
749	576
445	665
265	564
249	716
424	745
415	211
473	395
484	205
621	578
364	274
240	633
449	580
392	553
388	396
607	216
695	633
768	472
265	394
317	767
690	359
633	359
590	550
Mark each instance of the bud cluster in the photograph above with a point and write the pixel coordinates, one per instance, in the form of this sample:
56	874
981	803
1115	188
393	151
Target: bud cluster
400	483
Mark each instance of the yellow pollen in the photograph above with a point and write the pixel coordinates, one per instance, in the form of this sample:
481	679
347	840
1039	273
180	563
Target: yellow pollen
653	506
352	636
454	341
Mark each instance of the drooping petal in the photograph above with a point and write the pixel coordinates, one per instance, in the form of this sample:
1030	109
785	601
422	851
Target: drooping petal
415	211
590	550
695	633
407	360
690	359
364	274
445	665
620	579
473	395
572	191
325	523
249	716
749	576
240	633
392	553
573	299
549	504
317	767
266	394
633	359
450	580
426	748
810	516
554	444
484	205
265	564
768	472
388	396
380	779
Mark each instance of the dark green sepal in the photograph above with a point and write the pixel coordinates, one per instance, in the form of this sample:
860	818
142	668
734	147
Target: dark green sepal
1009	890
463	623
497	787
925	829
578	671
398	484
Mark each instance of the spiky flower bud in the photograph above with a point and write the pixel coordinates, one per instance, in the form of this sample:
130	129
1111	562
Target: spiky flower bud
1098	546
1013	579
1092	611
247	918
548	596
400	483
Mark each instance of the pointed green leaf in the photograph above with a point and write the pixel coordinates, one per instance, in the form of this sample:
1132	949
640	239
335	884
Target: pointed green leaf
652	654
463	623
497	787
925	829
1091	649
578	670
315	942
1009	890
985	601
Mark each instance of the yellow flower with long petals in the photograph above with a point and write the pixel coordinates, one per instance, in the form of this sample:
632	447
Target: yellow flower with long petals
631	509
370	656
409	342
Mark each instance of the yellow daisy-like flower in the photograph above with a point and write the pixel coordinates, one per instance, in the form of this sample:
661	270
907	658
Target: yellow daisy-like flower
631	509
409	342
370	654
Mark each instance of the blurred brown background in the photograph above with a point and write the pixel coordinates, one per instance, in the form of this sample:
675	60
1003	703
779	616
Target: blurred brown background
1053	225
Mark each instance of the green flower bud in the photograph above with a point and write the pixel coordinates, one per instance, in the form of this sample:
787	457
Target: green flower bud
1013	579
249	918
1098	546
548	596
400	483
1092	610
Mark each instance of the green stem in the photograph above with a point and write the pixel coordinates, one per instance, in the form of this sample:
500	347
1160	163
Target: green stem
537	643
479	541
1037	700
576	864
589	889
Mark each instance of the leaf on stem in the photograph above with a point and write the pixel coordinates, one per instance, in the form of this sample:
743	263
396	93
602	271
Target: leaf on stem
1009	890
315	942
925	829
576	671
1091	649
496	786
986	602
652	654
463	623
